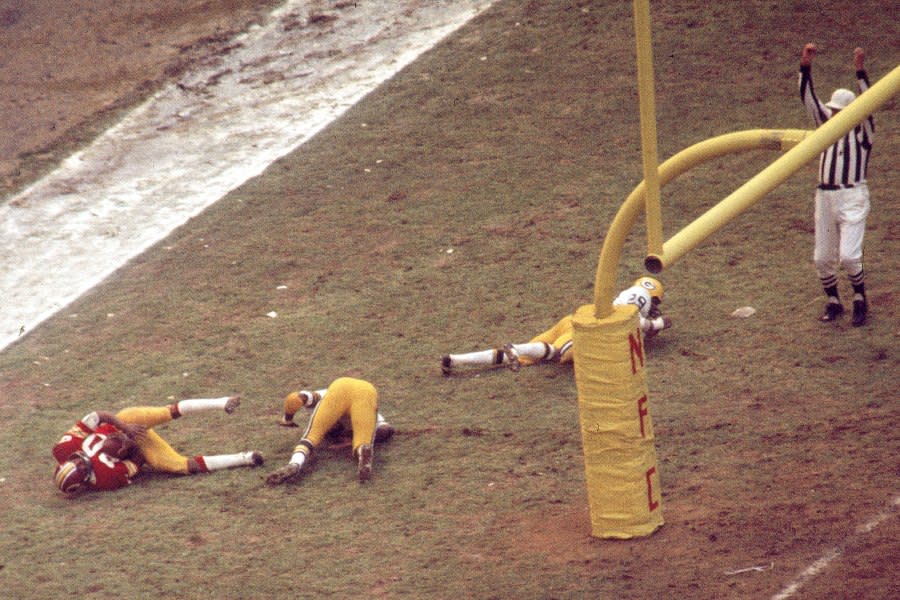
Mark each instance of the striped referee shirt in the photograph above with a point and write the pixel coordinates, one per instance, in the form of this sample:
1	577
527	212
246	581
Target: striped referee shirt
843	164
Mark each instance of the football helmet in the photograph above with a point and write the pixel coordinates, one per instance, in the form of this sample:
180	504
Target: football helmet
652	285
73	474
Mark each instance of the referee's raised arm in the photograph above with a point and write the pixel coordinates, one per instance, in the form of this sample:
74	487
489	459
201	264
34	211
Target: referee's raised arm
807	92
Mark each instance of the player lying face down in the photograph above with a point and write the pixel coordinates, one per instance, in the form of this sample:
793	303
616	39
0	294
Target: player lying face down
555	344
348	405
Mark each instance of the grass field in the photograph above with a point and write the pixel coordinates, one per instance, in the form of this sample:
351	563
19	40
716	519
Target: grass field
512	145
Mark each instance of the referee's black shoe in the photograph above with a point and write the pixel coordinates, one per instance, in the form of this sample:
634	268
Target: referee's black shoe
860	312
833	310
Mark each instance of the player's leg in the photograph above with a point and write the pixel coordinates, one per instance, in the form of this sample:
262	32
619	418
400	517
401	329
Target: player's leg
312	437
553	338
157	454
510	355
541	347
151	416
213	462
364	456
207	463
564	344
148	416
363	418
302	452
825	255
553	344
194	405
528	353
478	358
335	403
160	456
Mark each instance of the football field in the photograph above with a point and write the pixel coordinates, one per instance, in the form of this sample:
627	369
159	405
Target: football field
461	205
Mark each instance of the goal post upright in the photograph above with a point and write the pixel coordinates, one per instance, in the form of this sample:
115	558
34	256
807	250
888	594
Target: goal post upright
647	107
624	492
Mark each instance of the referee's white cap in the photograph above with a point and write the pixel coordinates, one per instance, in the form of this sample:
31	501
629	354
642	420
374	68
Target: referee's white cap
840	99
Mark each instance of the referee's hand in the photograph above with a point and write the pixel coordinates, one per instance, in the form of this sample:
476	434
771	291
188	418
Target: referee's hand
859	59
809	51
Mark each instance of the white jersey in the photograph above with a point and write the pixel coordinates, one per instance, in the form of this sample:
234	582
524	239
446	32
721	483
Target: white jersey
638	296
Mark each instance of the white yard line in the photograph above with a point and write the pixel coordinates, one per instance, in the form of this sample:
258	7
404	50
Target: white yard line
192	143
826	559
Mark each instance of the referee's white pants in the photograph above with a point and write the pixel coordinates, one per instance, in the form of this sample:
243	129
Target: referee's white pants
840	222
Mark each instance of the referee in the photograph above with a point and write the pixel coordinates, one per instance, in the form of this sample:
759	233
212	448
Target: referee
842	196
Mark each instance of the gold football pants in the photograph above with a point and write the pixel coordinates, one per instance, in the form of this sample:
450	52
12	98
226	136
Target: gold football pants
157	452
348	398
559	336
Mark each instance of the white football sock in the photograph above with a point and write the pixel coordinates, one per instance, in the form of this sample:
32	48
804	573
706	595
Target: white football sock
478	358
298	458
309	401
200	404
226	461
535	350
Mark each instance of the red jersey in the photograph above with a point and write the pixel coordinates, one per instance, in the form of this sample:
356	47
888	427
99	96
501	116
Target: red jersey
87	436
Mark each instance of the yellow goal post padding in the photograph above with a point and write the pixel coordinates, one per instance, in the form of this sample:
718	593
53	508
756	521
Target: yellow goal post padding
624	491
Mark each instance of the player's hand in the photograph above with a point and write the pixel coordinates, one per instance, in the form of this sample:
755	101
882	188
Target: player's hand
809	52
118	445
135	432
859	59
129	447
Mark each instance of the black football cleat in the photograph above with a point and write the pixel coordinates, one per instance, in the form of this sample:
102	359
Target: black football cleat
860	312
833	310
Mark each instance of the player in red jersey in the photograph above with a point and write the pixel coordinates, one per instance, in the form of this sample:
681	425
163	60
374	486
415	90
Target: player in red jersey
86	456
103	451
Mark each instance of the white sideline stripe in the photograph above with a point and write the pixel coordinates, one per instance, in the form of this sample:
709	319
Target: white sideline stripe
819	565
192	143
